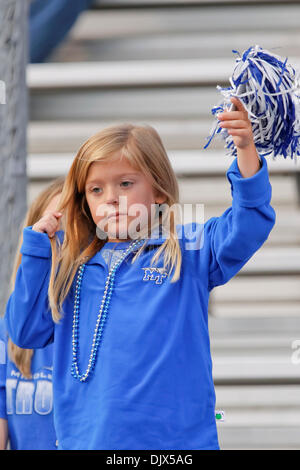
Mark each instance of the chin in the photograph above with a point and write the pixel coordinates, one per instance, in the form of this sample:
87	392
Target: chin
118	232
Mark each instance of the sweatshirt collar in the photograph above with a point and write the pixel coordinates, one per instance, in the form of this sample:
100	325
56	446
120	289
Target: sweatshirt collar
157	238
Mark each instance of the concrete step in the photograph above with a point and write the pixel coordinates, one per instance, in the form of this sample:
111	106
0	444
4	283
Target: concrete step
284	190
137	104
111	4
161	33
257	381
258	416
278	260
129	105
286	230
131	73
254	326
262	288
67	136
188	164
186	139
257	396
248	369
260	308
263	369
255	350
129	90
230	18
264	437
56	76
257	296
256	345
188	45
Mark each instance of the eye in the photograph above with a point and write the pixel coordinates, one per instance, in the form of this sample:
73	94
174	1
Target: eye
95	190
126	182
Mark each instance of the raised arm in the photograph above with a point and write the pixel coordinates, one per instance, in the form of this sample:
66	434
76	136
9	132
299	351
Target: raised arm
239	127
28	317
218	249
243	228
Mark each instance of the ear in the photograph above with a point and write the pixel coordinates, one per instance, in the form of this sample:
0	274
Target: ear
160	198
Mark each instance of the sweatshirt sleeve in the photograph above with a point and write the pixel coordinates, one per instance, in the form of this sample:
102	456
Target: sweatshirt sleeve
28	317
243	228
3	365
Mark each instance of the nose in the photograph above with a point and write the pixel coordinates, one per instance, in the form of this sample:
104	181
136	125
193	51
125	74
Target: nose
111	196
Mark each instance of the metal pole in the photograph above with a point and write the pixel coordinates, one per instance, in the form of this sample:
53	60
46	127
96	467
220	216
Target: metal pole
13	128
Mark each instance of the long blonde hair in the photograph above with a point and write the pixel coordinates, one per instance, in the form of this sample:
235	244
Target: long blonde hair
22	357
144	150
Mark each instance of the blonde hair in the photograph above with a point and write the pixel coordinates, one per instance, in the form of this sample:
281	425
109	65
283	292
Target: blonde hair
144	150
22	357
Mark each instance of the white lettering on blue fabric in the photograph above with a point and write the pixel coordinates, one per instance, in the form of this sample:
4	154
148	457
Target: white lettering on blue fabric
11	385
154	274
2	352
24	397
43	401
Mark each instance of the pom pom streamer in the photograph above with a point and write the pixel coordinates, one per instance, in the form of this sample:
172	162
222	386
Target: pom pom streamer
269	89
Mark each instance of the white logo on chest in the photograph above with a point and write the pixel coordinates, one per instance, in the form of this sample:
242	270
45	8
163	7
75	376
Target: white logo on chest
154	274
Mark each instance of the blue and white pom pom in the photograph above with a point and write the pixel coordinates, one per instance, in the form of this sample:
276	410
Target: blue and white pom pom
269	90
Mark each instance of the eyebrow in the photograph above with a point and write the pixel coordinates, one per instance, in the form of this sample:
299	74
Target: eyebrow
98	180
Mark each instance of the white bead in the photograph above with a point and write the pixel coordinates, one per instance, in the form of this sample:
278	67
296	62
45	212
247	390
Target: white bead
84	377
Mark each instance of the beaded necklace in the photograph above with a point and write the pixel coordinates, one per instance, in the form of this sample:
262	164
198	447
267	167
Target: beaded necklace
101	318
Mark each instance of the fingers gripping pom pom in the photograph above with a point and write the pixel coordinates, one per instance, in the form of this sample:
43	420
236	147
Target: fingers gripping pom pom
269	90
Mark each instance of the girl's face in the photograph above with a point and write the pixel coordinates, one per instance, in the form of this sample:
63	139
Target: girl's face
119	198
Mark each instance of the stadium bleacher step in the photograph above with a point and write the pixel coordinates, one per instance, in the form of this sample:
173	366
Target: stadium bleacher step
187	31
259	416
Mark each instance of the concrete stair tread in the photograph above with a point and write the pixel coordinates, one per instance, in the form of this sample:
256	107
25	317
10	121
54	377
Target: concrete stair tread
261	288
131	73
185	163
256	396
260	308
273	260
260	370
128	104
129	3
127	73
145	33
191	18
67	136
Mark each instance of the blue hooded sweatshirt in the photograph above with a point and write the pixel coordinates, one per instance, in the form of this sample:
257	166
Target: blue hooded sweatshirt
152	385
27	404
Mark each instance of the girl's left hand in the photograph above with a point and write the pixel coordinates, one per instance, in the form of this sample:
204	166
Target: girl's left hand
237	124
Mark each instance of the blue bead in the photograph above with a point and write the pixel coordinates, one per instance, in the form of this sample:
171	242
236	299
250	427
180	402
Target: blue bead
101	321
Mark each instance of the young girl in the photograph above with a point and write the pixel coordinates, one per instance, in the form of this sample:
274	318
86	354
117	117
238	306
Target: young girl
26	401
132	364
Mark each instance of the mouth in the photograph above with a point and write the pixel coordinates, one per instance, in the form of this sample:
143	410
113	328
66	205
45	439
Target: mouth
116	215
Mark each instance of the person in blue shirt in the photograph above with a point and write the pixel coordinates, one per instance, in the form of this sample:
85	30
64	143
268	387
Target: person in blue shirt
123	293
26	397
49	24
